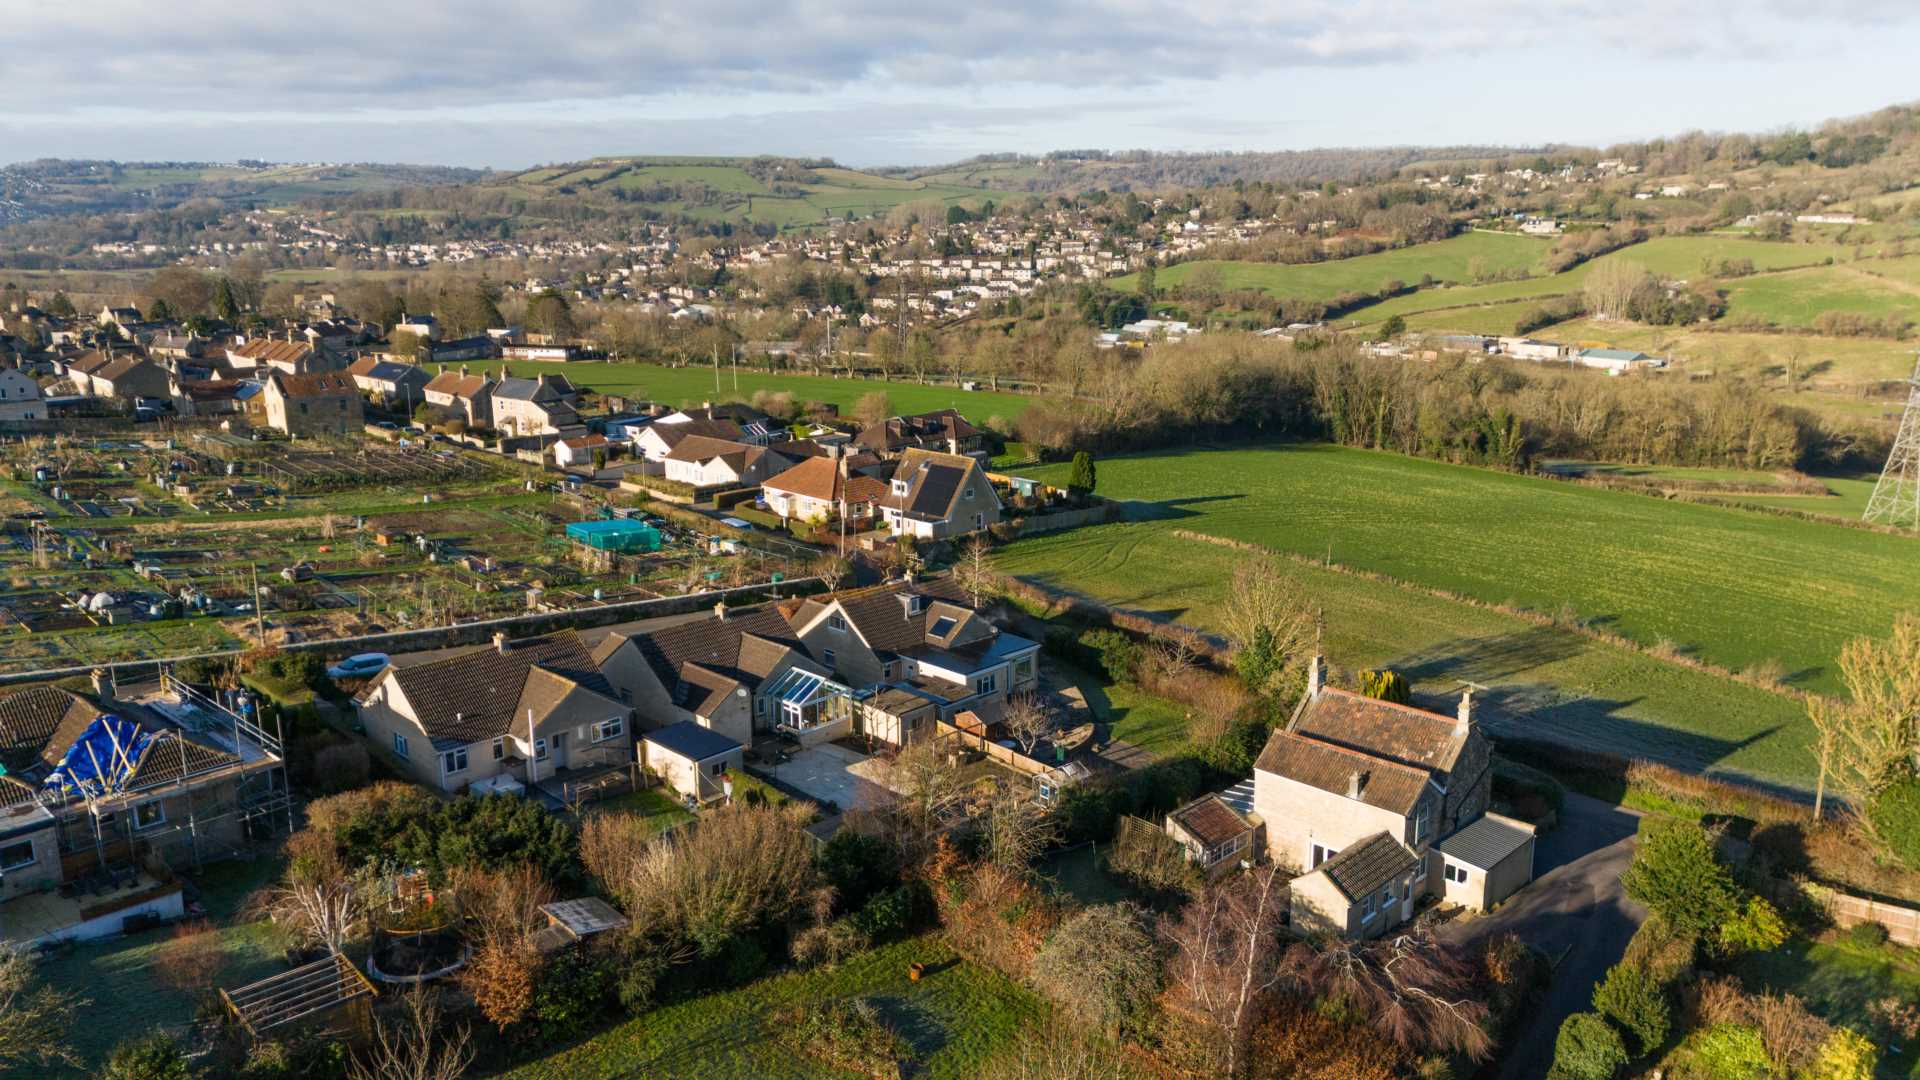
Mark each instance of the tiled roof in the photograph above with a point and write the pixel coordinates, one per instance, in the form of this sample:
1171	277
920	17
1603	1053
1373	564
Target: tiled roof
744	646
1385	784
934	482
702	448
1401	733
38	724
815	478
673	434
879	612
457	385
316	384
265	351
1367	866
478	694
1210	820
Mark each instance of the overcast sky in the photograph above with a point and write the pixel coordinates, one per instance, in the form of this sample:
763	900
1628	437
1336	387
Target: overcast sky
513	84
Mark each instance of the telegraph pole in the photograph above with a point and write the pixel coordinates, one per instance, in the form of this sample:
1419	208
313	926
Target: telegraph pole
259	617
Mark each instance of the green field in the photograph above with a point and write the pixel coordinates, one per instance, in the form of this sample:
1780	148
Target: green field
1736	588
1798	298
956	1018
1445	260
820	194
693	385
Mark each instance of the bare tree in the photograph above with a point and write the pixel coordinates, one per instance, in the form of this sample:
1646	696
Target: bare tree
974	570
1411	988
323	903
927	794
1017	827
832	570
418	1046
35	1019
1026	721
1226	960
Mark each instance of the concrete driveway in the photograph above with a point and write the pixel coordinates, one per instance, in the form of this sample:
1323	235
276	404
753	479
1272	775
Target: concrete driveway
829	773
1575	913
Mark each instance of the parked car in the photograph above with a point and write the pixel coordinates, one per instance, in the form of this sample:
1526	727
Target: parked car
359	666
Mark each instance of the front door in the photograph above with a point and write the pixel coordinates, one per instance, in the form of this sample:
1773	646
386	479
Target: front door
559	759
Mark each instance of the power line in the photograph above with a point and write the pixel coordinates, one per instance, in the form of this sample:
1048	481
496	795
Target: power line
1896	495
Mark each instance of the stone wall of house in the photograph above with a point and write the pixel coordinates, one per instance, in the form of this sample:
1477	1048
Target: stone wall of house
1299	815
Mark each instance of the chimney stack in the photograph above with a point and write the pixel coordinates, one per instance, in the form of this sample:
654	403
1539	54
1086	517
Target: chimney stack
720	611
102	685
1356	781
1316	675
1465	721
500	642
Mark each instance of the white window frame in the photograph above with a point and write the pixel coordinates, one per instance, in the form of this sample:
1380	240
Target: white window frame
1421	821
826	657
1367	911
455	761
837	622
1320	854
988	684
540	749
500	749
400	747
32	855
140	808
611	728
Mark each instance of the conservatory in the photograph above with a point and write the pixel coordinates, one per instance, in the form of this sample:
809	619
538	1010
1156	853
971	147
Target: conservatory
811	707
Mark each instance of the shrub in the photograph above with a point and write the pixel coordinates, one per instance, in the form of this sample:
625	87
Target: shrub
342	766
1101	964
1119	655
1387	685
857	865
576	989
890	915
1895	816
154	1056
1867	935
1677	873
1755	927
1635	1001
1665	953
1587	1049
1846	1055
1730	1052
846	1034
829	945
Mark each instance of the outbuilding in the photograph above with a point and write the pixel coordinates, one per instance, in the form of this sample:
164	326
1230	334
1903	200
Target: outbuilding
1483	863
693	760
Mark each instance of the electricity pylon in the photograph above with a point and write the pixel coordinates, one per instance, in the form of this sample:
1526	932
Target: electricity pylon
1896	497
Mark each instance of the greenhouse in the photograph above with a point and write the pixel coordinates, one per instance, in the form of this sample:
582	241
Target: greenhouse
625	536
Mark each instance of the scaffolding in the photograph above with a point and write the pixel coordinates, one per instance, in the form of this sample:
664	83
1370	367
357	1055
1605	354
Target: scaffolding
199	820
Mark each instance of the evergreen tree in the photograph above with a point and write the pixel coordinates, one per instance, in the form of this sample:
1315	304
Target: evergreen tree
60	305
1081	483
225	304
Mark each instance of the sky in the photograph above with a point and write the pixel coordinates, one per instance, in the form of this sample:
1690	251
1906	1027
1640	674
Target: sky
491	83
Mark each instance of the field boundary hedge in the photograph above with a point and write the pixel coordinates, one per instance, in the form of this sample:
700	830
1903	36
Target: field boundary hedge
1571	625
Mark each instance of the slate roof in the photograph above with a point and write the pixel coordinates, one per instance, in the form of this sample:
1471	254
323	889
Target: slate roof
934	482
393	371
479	694
1367	866
1400	733
1210	820
672	434
1486	841
1384	784
691	741
932	428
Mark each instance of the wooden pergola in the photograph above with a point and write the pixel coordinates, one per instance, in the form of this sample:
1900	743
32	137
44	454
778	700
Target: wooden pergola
322	986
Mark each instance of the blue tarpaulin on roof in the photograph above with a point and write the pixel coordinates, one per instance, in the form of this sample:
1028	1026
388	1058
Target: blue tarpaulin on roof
102	759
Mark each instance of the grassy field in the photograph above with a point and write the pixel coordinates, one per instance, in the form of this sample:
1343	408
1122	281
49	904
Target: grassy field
1734	587
1838	980
1445	260
956	1017
693	385
1797	298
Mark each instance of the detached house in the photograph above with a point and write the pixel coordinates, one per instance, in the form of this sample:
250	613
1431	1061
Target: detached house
933	496
528	709
389	381
537	406
1363	796
20	396
944	430
468	397
655	441
821	488
326	403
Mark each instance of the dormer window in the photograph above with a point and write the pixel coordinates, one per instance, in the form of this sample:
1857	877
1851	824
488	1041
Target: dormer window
899	487
837	622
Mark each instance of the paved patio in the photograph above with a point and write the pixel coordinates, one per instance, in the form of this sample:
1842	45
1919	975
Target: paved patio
831	773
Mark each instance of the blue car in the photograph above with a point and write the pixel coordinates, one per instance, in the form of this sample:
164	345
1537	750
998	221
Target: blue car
359	666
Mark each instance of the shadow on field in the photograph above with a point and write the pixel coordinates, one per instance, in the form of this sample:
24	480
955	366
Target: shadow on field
1515	707
1172	509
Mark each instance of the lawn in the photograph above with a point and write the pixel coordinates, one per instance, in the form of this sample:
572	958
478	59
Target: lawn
693	385
660	810
1446	260
1736	587
956	1017
1838	979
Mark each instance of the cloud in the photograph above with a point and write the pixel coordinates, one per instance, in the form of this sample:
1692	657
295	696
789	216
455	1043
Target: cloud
420	55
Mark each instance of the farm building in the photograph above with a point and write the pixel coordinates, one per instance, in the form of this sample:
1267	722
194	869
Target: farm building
625	536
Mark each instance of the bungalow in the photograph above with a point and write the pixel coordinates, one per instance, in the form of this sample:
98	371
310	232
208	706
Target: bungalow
755	427
820	488
718	672
324	403
944	430
716	463
424	327
480	347
554	353
933	496
568	453
655	441
530	709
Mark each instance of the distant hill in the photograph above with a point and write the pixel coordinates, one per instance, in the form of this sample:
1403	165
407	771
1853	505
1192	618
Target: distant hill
52	187
1143	170
769	193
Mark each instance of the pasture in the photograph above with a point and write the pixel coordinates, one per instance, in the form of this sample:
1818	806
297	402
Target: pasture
1739	589
1798	298
692	385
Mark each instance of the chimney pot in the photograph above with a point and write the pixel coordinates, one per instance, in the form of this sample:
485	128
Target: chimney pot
1356	781
500	641
720	611
1466	709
